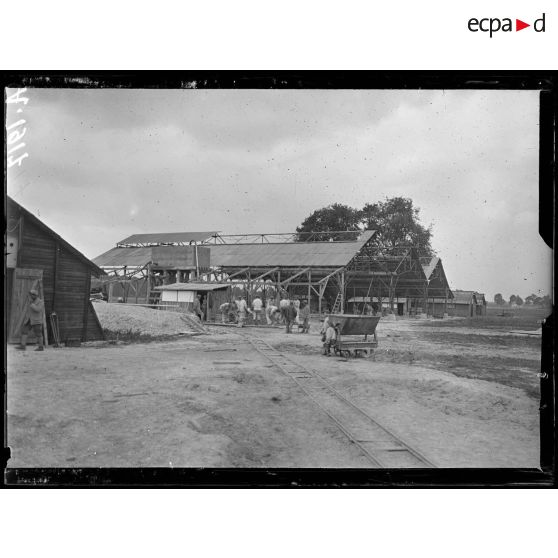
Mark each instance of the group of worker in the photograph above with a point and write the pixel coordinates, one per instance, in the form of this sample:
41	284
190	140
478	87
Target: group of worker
289	313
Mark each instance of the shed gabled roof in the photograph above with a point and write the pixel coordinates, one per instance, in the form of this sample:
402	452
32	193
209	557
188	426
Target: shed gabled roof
29	217
167	238
287	254
463	297
193	287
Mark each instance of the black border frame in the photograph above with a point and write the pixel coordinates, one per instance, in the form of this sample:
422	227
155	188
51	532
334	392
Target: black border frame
543	81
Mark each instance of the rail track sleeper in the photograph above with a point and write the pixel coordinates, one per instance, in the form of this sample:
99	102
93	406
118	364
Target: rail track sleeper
291	369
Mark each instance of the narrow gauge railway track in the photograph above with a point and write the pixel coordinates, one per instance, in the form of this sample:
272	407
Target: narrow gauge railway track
382	447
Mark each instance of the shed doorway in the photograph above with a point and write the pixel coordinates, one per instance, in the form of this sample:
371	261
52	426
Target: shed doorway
23	281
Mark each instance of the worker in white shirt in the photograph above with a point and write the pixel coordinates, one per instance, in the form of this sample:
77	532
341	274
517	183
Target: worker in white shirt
272	313
242	308
284	303
257	306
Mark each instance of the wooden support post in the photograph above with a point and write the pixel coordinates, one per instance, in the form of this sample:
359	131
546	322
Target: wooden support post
309	287
391	293
124	286
342	292
249	288
148	284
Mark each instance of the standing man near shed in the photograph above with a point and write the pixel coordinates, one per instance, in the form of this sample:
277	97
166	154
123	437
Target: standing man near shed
242	307
304	316
257	306
290	316
197	307
33	320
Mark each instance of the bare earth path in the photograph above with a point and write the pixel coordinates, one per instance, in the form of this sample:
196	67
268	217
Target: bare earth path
212	401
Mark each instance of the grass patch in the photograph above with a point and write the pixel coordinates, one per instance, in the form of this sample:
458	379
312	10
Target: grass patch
522	318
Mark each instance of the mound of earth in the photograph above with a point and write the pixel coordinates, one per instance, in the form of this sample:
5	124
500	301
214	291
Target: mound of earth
121	318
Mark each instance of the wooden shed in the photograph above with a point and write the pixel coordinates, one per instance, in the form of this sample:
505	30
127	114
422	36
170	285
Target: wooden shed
36	257
464	304
182	295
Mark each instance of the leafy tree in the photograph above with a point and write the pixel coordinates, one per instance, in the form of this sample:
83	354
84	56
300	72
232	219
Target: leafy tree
512	299
546	300
518	300
530	299
498	298
336	217
396	223
538	301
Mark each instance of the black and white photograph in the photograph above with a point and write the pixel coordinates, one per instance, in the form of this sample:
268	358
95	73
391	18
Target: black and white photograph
296	277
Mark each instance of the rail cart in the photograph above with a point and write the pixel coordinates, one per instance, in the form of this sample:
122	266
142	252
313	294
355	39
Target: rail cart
350	326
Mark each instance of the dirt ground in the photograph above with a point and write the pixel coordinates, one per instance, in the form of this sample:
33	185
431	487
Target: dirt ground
464	396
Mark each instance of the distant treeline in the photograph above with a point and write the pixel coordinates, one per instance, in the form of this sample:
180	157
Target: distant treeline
516	300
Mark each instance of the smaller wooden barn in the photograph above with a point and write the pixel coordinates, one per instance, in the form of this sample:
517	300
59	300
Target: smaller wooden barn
36	257
181	296
467	304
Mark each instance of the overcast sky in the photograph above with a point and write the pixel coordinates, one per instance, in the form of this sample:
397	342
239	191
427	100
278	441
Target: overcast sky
104	164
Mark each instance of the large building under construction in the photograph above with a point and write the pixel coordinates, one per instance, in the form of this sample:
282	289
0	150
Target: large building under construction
335	271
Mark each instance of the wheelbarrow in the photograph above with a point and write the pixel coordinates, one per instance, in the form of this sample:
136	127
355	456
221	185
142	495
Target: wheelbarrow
356	335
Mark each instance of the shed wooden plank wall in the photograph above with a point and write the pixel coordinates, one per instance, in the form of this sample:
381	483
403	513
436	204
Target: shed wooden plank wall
66	282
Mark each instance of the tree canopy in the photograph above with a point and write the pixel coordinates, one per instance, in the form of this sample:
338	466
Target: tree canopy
335	217
395	221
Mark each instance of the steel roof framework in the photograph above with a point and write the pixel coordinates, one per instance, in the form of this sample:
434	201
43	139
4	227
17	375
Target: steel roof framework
379	272
387	273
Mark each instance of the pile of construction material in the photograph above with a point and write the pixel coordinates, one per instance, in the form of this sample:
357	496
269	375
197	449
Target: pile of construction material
123	318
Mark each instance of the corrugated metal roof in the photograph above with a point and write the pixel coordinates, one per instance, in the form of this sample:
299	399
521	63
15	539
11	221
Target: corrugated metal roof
182	257
192	287
287	254
118	257
162	238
